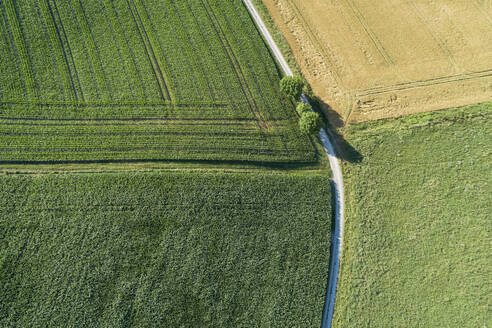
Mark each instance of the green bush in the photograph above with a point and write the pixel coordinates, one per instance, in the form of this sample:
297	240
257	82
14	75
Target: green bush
310	123
292	87
303	108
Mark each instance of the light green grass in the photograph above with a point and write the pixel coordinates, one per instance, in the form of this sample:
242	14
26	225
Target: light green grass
417	235
163	250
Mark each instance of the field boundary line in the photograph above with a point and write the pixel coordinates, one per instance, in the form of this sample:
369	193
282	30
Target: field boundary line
22	50
425	83
325	136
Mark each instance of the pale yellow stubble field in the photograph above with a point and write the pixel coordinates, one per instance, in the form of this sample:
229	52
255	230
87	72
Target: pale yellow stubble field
371	59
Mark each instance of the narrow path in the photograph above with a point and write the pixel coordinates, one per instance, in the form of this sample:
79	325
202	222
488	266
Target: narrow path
337	235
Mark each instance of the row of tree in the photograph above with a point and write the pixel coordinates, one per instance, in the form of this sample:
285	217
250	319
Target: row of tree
309	121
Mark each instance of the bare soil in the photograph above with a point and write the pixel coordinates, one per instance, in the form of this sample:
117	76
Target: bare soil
369	59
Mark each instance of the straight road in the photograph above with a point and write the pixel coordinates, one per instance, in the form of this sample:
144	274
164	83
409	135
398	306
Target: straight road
326	140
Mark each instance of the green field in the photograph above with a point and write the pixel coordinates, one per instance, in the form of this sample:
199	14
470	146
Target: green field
163	250
417	231
140	80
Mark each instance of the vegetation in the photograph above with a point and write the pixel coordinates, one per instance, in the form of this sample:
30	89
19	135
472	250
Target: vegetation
417	206
116	81
302	108
292	87
163	250
310	123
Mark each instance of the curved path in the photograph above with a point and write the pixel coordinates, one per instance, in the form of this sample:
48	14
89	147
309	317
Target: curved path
337	235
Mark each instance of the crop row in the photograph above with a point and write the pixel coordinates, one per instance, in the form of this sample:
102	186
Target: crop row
268	69
58	50
92	50
184	32
258	68
154	50
226	66
12	83
174	49
193	147
25	62
247	41
65	44
176	79
124	17
128	58
214	68
191	51
240	76
273	104
123	111
112	49
27	140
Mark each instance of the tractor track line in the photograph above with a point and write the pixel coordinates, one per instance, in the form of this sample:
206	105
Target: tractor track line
233	61
68	51
325	136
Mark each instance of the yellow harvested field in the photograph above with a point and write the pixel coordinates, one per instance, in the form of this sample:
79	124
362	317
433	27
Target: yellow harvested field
372	59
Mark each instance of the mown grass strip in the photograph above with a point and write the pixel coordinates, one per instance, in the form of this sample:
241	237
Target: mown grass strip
22	50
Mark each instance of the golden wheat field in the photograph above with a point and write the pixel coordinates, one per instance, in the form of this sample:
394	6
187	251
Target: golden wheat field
371	59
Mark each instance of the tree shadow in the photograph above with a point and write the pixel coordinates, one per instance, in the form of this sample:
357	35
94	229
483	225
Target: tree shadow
334	123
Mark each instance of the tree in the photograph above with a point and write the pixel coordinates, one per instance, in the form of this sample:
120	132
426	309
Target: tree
303	108
310	123
292	87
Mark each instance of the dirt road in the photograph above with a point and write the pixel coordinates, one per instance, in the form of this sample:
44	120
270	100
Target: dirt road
337	234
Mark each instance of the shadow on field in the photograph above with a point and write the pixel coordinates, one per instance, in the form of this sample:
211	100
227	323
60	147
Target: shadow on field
239	163
334	123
